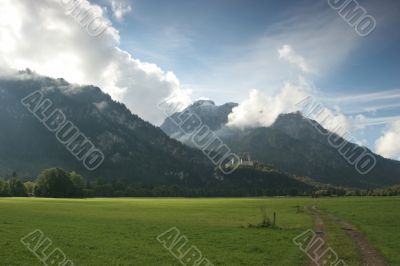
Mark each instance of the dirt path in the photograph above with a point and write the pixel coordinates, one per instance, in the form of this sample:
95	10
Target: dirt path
369	254
319	229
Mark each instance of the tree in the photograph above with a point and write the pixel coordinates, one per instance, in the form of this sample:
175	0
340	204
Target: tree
79	183
17	188
30	187
4	189
54	183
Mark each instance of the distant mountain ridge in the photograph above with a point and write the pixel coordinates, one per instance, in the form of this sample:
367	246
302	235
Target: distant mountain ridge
295	144
136	152
142	153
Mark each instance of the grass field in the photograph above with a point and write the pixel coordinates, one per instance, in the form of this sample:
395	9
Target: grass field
124	231
377	218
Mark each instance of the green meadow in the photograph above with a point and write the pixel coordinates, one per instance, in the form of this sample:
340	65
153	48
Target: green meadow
377	218
124	231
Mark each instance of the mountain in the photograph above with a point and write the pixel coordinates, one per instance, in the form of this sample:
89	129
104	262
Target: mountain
135	151
300	146
212	115
132	148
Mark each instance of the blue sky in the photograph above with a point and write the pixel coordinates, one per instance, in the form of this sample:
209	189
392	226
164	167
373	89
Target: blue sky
265	55
191	38
221	49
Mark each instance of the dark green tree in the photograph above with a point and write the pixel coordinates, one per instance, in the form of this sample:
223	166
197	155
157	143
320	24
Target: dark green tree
54	183
79	183
4	189
17	188
30	187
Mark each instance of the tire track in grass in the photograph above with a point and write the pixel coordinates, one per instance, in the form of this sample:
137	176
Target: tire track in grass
369	254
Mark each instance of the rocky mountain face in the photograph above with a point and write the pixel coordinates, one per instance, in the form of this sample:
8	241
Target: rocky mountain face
210	114
304	148
133	148
135	152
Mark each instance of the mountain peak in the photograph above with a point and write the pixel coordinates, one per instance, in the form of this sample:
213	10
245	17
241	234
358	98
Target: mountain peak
212	115
296	144
296	125
290	117
199	103
295	119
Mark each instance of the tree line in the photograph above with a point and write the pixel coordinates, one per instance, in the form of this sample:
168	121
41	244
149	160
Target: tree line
57	183
51	183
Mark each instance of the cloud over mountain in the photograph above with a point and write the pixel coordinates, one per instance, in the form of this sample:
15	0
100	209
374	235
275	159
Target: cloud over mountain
388	144
260	110
47	37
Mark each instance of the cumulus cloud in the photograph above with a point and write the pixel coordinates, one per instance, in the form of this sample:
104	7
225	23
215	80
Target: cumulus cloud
120	9
287	53
53	40
260	110
388	144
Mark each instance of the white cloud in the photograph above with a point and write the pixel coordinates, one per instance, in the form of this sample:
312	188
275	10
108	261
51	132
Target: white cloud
45	37
311	31
260	110
367	97
287	53
362	121
337	122
388	145
120	9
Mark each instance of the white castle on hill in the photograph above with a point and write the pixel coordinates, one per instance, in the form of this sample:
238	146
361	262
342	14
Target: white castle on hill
244	160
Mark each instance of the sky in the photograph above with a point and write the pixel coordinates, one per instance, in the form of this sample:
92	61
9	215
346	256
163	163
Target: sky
265	55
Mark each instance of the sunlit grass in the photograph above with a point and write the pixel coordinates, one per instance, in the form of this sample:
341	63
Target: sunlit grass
124	231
